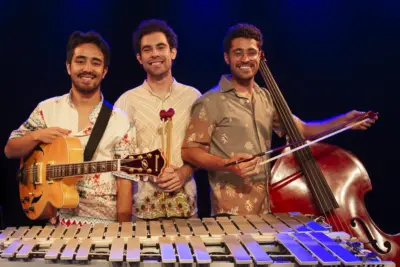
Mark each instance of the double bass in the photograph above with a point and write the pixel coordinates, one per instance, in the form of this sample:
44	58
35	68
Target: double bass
326	181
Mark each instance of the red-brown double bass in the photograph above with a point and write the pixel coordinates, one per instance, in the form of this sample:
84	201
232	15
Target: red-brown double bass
327	181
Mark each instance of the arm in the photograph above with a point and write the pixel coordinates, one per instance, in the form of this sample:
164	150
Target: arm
315	127
123	148
33	132
124	200
195	148
20	146
202	159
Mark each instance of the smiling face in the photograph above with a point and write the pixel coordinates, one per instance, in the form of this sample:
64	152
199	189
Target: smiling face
156	55
243	58
87	68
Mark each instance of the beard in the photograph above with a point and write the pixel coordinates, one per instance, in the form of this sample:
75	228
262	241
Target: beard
86	89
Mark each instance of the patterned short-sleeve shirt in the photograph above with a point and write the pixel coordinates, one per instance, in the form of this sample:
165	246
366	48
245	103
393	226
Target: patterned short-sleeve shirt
225	123
97	191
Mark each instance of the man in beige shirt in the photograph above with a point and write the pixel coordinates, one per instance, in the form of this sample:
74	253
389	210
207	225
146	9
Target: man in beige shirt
174	193
235	120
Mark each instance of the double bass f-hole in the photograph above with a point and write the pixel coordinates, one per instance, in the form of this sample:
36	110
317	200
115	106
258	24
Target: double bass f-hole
370	237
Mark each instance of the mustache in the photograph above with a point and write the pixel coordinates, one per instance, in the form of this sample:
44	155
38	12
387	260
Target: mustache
245	65
85	73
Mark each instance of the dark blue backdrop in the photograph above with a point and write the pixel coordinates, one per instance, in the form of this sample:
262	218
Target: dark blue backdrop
327	56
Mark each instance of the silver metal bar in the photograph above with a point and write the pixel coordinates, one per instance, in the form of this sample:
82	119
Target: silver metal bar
302	256
343	254
240	255
323	256
183	249
256	251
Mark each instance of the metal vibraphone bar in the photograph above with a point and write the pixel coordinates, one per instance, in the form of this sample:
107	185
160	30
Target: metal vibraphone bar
281	240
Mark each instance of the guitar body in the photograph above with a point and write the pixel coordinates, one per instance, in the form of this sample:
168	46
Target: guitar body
39	195
48	176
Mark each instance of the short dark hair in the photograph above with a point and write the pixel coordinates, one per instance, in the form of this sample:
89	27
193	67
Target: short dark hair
77	38
242	30
151	26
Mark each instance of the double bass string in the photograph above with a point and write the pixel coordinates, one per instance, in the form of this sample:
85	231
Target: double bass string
280	105
312	172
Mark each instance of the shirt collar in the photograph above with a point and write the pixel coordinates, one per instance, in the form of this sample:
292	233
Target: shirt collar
95	112
225	84
71	104
171	89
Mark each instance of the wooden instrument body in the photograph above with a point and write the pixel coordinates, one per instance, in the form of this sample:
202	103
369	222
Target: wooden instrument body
48	176
349	183
45	194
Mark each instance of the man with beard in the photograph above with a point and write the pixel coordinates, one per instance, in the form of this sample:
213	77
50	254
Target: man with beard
235	120
74	114
174	193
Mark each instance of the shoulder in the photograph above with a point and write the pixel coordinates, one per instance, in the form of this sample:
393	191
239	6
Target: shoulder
118	115
188	91
211	96
130	94
53	102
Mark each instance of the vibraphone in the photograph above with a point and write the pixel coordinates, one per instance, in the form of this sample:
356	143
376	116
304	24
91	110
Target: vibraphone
273	239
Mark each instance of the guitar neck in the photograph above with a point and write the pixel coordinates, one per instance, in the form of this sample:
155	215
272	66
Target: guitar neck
58	171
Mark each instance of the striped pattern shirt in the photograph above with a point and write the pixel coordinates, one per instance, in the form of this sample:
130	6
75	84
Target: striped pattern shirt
143	107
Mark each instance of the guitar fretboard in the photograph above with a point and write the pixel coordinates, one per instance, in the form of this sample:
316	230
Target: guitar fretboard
65	170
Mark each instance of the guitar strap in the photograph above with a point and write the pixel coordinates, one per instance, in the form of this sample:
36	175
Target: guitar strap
98	130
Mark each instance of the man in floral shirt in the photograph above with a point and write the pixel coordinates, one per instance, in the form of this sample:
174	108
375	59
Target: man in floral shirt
235	120
74	114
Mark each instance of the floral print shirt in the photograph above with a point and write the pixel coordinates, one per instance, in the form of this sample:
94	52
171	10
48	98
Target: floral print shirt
224	123
97	191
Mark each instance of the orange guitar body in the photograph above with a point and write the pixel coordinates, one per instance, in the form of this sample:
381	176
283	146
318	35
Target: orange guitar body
46	195
48	176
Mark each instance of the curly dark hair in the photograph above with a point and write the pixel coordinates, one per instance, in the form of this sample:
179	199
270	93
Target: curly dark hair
151	26
242	30
77	38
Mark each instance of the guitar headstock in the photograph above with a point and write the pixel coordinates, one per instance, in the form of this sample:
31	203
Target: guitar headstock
151	163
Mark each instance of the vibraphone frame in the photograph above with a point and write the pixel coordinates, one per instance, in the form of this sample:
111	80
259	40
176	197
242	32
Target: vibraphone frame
272	239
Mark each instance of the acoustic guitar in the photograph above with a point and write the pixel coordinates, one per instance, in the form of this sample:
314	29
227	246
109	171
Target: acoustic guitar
48	176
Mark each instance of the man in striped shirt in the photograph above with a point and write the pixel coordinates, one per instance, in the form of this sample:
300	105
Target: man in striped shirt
174	193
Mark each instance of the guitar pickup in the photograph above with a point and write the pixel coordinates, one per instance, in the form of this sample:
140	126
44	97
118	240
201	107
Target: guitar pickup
37	176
